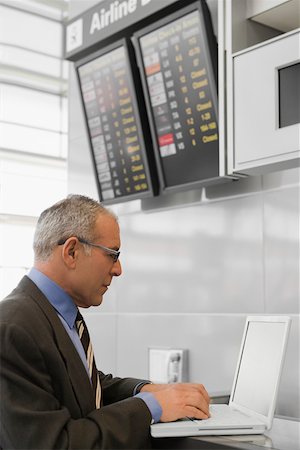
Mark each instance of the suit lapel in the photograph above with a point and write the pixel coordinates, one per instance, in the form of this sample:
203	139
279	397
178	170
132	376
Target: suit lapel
75	368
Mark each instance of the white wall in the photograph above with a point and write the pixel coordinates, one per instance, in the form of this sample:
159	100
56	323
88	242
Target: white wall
194	265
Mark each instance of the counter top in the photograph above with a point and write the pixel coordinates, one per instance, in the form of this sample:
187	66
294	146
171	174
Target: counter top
284	435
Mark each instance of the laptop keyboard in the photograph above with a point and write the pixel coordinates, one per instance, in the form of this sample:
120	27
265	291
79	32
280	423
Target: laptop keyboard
223	415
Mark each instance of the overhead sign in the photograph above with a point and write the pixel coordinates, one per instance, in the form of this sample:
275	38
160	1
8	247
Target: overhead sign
104	20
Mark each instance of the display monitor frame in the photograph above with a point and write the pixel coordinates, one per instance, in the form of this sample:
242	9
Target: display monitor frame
264	342
211	163
142	128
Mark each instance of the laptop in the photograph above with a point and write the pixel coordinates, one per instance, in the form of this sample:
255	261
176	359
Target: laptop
255	386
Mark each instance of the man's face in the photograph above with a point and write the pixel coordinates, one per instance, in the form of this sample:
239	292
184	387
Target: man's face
94	272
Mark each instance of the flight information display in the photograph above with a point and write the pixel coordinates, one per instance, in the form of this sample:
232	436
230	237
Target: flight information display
114	127
176	59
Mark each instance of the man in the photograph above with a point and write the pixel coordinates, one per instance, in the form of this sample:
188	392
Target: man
51	393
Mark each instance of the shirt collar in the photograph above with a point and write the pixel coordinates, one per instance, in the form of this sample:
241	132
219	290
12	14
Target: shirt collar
58	298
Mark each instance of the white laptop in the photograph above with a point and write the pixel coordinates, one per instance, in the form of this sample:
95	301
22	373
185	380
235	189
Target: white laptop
255	386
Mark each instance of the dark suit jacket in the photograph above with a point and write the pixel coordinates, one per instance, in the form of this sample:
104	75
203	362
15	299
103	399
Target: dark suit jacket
46	396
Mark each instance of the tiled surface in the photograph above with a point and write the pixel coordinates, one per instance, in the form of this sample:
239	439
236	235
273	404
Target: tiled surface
213	343
282	253
206	258
281	179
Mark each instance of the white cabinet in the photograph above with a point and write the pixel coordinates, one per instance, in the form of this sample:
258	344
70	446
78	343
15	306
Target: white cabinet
259	143
257	56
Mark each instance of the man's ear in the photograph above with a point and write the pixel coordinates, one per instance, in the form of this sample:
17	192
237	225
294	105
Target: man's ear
70	252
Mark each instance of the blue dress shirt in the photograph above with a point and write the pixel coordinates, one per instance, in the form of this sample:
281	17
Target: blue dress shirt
67	312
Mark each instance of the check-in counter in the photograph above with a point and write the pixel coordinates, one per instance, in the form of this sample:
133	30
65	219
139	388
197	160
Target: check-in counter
284	435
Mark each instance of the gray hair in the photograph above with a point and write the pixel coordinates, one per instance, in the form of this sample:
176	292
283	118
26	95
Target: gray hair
73	216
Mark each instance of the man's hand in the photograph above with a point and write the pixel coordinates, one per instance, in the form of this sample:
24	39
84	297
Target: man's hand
180	400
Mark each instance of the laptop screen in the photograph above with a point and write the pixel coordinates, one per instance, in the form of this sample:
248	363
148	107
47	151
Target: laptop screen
259	366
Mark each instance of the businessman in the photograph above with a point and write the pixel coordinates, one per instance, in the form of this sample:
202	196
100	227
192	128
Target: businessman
52	395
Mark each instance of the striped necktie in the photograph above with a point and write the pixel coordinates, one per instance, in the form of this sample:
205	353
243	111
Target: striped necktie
87	346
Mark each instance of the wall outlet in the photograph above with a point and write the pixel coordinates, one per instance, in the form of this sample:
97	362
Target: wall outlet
168	365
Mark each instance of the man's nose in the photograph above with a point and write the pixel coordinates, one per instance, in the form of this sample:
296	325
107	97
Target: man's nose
117	268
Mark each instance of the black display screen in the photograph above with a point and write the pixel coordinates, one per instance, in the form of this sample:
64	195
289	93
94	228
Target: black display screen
176	58
114	126
289	95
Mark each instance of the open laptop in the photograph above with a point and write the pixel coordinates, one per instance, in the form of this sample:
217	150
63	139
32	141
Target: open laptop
255	386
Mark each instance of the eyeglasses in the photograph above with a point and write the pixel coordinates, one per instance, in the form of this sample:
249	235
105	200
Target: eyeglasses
111	252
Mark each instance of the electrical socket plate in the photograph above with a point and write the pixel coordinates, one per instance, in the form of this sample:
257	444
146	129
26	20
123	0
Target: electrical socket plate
168	365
